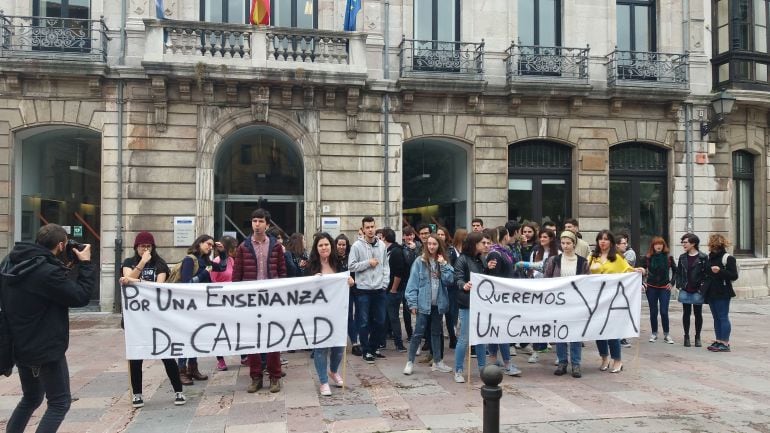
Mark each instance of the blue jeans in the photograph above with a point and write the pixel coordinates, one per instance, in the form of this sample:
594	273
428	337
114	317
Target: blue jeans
52	381
575	352
370	319
451	314
182	362
462	344
614	346
720	308
327	357
352	329
503	349
394	307
421	328
654	297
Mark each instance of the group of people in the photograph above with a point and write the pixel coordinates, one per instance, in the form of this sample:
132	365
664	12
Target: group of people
425	278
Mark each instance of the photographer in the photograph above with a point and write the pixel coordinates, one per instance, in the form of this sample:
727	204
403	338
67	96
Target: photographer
37	293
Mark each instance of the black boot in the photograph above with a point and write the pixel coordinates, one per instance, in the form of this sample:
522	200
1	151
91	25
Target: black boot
697	341
561	370
686	341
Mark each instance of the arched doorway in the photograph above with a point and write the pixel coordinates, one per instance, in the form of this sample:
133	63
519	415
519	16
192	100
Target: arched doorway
258	166
58	173
638	193
435	183
539	186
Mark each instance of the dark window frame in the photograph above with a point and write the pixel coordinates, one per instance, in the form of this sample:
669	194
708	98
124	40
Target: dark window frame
742	63
556	25
247	9
434	20
651	19
750	177
64	8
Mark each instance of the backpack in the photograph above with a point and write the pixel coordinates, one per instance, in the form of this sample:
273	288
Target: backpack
409	257
6	340
176	272
724	262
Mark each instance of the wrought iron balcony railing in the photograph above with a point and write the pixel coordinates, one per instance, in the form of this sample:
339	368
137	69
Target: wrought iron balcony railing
649	69
531	61
70	39
429	58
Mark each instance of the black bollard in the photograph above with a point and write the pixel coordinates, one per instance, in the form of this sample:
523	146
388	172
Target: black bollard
491	392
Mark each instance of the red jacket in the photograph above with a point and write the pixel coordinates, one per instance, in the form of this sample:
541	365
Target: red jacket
245	267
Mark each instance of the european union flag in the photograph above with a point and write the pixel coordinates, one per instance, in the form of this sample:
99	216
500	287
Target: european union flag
159	9
351	10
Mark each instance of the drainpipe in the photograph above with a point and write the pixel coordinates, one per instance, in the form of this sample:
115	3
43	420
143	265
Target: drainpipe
119	208
688	140
386	113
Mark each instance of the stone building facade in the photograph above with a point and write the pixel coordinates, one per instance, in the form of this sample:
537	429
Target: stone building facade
528	109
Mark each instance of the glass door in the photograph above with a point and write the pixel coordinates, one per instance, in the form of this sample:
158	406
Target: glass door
638	207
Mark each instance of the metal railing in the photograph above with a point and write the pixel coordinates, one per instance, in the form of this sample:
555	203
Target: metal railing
308	46
537	61
71	39
424	57
648	68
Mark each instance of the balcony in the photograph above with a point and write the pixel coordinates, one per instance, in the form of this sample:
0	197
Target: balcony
54	44
648	71
441	64
235	51
562	68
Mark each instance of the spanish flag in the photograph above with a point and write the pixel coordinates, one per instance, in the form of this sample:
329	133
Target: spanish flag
260	12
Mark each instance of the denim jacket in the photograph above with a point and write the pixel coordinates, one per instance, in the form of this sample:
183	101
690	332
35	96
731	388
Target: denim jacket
418	290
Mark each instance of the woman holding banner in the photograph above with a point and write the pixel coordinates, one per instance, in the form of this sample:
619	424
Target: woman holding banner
147	265
469	262
323	261
567	264
606	260
196	268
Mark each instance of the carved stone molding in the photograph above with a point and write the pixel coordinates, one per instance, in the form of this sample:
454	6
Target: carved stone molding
95	87
331	96
576	104
616	105
673	109
13	82
515	104
208	91
184	90
231	91
309	96
352	111
473	102
286	96
408	99
160	99
260	102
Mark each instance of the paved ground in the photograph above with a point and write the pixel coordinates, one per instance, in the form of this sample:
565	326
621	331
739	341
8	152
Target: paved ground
665	388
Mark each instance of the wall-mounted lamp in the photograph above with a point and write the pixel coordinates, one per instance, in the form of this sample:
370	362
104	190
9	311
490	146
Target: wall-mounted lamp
722	105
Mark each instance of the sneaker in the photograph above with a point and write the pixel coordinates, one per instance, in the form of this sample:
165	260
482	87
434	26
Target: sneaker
325	390
419	351
654	338
356	350
284	361
369	358
576	372
512	370
441	367
473	351
400	348
556	361
381	346
179	399
533	358
221	366
336	379
668	339
723	347
459	377
625	343
513	350
378	354
137	401
409	368
561	370
527	350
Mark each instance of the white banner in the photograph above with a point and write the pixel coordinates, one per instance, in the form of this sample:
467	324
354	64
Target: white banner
547	310
208	319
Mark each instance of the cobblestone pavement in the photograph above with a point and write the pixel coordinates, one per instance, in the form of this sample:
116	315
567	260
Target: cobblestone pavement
663	388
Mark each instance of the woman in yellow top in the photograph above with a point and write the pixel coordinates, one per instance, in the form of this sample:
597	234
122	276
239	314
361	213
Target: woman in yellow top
606	260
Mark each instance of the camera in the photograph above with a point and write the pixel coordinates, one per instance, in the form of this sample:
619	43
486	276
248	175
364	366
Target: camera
72	244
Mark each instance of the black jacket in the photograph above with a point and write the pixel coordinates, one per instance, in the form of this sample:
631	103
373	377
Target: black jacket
696	274
464	265
37	294
659	276
720	285
397	265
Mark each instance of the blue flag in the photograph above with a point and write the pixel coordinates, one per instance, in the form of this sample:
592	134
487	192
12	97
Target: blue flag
351	10
159	9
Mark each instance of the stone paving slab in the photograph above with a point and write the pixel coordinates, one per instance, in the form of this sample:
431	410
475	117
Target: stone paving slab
663	388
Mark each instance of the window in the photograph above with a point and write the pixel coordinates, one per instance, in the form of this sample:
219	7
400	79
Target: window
540	23
636	25
434	21
740	41
539	184
743	178
283	13
62	8
70	33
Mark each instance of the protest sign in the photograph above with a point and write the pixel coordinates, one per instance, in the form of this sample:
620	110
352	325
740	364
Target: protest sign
207	319
547	310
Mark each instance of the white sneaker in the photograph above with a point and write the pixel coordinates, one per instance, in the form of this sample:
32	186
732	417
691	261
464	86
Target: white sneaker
653	338
512	370
419	351
325	390
513	350
440	366
533	358
336	379
137	401
668	339
409	368
556	362
459	377
179	399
